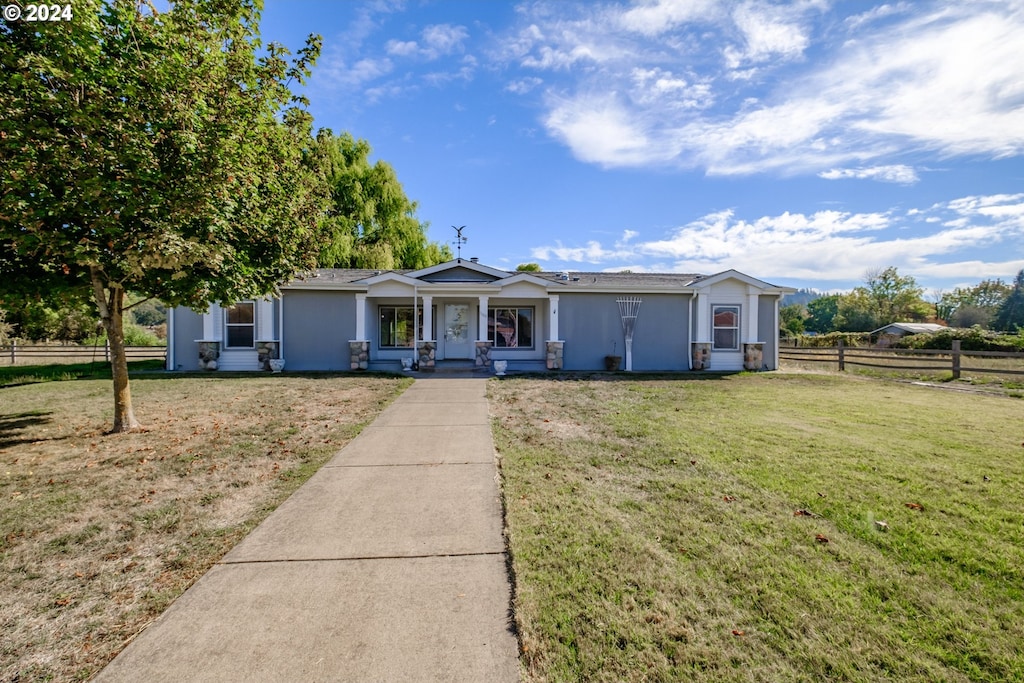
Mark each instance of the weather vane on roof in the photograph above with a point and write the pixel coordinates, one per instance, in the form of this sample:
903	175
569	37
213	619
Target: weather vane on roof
459	239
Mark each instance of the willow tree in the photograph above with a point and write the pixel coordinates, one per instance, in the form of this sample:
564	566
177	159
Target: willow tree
370	223
154	151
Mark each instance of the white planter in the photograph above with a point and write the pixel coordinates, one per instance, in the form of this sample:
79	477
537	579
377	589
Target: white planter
276	364
500	366
407	364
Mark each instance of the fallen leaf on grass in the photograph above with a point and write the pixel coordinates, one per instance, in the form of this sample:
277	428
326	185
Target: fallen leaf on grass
914	506
738	633
881	526
729	499
804	513
820	538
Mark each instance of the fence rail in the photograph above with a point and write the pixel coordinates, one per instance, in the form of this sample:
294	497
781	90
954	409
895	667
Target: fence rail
43	353
951	360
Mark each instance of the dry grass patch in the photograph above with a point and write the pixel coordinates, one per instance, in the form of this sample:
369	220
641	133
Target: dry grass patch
666	546
99	533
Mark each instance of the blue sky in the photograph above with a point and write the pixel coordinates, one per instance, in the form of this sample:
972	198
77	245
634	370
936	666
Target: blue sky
804	143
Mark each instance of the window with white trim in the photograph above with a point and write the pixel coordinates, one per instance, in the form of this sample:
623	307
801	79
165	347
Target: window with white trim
240	325
396	328
510	328
726	327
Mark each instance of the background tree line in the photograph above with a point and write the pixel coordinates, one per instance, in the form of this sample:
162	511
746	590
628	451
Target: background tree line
887	297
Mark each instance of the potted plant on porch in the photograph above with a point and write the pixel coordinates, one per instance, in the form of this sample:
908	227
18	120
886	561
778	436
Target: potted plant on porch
612	362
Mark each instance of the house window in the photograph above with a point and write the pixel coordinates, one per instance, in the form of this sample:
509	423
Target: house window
240	324
510	327
396	328
726	327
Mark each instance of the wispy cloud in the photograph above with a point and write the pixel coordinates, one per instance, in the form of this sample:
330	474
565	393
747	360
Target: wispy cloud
898	173
884	83
826	246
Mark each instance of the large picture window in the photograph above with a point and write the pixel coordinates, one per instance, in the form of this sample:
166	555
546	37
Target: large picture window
726	322
240	325
396	327
510	327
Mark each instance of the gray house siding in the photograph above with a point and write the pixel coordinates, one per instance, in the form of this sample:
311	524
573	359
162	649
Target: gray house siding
767	331
317	329
187	327
592	328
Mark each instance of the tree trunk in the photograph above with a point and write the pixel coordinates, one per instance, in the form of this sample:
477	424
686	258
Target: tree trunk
110	301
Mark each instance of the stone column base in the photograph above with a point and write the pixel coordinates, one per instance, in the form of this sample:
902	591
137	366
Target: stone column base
701	355
267	350
209	352
483	354
753	356
359	354
426	350
555	354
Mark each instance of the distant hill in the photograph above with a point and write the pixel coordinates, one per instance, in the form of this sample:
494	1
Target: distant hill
802	297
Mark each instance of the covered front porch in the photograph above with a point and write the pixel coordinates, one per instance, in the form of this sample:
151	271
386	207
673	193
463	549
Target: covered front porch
472	324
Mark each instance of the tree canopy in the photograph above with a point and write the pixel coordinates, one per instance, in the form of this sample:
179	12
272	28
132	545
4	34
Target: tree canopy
1010	315
369	223
158	152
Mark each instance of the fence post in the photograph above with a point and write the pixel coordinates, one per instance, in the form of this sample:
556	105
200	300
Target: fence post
956	359
14	351
106	351
842	360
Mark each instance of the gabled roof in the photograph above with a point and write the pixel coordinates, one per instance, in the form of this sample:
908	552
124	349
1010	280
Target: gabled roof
910	328
472	266
466	272
706	281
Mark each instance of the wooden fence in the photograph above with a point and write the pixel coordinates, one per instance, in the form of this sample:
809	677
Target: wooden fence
43	354
952	360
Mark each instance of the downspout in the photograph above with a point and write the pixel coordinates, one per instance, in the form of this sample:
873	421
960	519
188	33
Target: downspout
415	324
689	327
280	326
169	365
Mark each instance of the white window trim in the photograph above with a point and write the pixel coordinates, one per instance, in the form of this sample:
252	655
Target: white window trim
421	311
533	322
738	327
253	324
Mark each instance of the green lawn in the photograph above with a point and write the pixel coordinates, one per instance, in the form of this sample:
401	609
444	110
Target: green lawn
654	538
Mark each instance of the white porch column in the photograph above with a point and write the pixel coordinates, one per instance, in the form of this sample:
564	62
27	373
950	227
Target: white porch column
703	318
361	317
428	318
213	323
481	326
553	317
751	317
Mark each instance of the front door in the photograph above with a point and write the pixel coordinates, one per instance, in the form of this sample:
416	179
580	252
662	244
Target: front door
457	341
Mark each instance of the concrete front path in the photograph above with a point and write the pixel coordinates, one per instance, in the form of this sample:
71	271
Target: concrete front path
387	565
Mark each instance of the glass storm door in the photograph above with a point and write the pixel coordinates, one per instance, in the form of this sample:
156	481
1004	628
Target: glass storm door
457	340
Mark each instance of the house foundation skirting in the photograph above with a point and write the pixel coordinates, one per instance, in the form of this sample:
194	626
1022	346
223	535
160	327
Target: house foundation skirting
359	354
426	351
701	355
554	359
209	352
483	354
753	356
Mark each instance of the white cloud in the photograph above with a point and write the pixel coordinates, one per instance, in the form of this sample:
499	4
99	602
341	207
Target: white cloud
824	246
903	175
523	85
930	77
661	16
769	32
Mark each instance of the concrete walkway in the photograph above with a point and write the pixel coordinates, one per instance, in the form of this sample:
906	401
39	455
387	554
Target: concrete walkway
387	565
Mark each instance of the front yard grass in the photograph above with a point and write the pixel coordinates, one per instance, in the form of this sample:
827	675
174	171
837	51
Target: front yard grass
99	533
775	527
